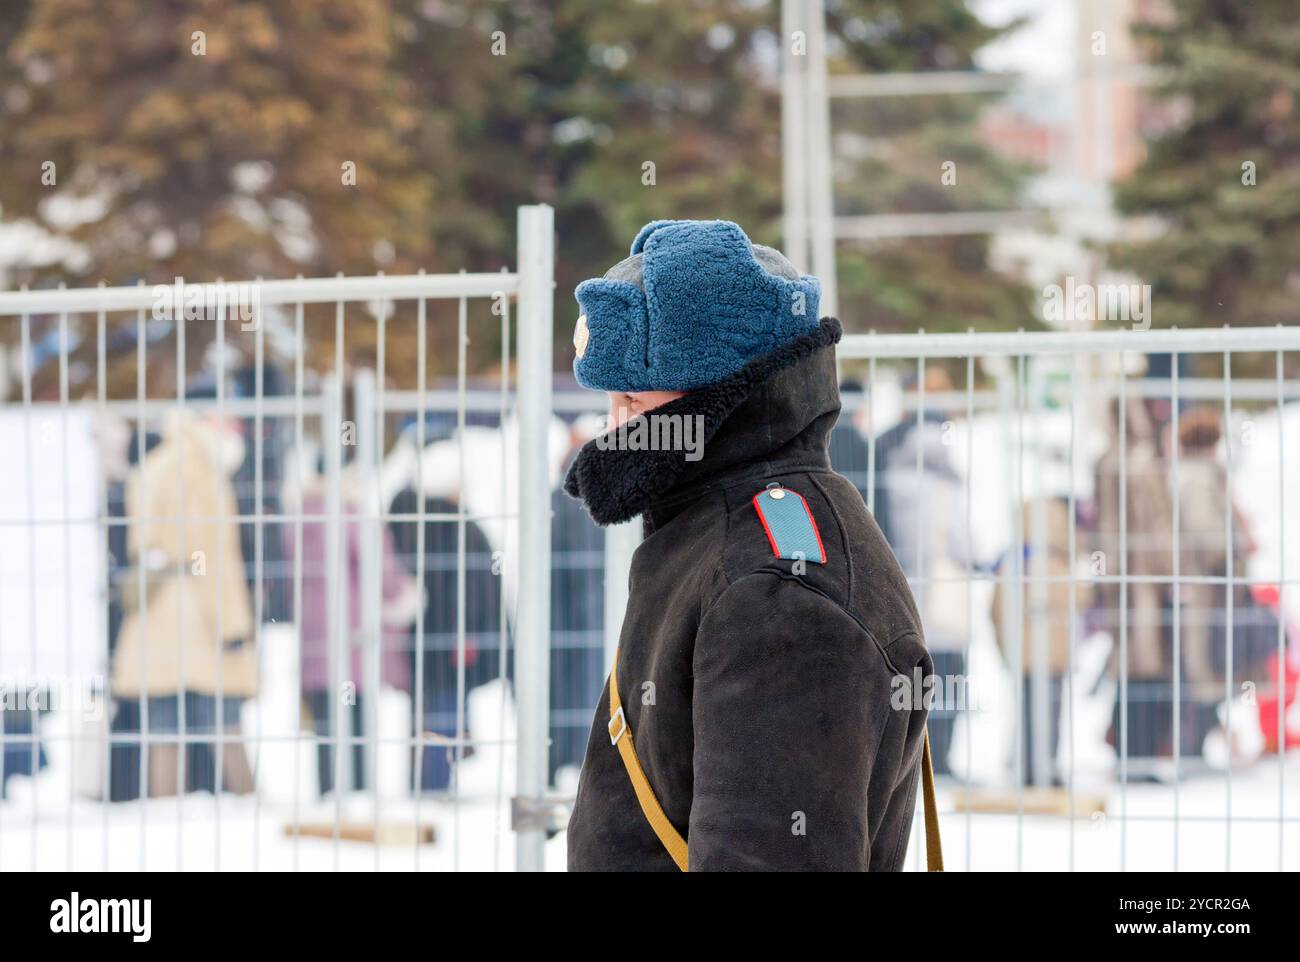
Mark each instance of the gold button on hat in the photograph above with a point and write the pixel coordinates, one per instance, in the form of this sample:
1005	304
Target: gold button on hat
581	335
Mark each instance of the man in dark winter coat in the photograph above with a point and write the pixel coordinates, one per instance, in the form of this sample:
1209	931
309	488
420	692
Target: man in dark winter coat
771	648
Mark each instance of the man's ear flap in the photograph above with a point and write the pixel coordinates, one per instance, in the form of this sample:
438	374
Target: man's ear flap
614	335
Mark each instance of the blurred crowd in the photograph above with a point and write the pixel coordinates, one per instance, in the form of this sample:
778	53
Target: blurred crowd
1151	566
195	494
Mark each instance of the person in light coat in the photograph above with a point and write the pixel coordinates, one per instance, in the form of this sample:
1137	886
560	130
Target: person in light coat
185	657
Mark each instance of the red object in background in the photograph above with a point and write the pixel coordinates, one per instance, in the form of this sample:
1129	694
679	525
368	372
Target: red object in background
1267	705
1270	597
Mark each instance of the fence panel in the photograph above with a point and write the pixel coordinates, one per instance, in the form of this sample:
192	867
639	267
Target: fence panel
1100	539
238	552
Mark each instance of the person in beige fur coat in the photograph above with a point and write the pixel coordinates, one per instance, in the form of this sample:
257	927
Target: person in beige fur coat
186	640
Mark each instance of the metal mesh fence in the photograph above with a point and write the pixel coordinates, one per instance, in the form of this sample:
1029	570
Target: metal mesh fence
284	615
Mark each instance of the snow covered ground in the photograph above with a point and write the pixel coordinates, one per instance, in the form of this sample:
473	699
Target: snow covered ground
1145	840
236	834
203	834
46	824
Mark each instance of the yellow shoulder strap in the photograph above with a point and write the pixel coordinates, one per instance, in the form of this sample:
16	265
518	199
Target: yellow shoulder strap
933	845
620	735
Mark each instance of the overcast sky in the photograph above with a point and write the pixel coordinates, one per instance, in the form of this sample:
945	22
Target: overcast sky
1044	46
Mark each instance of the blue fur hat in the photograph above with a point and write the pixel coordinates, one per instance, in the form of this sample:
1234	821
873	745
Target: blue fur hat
694	304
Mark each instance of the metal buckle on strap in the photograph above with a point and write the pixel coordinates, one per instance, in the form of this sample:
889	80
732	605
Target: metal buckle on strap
621	720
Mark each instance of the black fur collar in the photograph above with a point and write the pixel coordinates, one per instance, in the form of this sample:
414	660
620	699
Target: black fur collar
617	484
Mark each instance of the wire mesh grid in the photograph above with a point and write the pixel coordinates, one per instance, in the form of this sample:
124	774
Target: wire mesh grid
1084	636
256	641
1113	579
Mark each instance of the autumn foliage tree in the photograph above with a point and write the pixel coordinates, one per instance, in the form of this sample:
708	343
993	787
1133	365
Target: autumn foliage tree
211	139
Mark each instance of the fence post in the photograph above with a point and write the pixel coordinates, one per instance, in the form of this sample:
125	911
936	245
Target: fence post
794	139
369	534
336	579
536	263
821	200
621	542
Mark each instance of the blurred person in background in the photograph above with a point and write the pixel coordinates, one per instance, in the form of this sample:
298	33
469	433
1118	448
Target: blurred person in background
887	444
258	487
435	654
1205	552
924	509
400	599
193	637
850	451
1134	522
577	618
1203	549
124	755
1047	612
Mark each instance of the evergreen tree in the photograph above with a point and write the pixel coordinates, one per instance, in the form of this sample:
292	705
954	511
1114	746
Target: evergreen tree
920	155
618	114
615	114
1224	184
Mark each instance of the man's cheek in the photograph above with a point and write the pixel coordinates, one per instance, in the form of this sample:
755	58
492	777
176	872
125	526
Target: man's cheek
619	414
